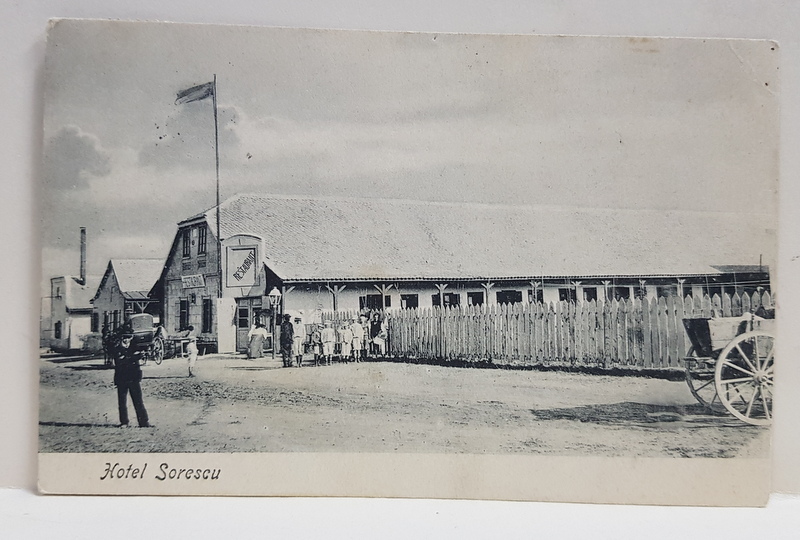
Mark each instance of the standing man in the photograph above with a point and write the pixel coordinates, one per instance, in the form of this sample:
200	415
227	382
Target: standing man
287	340
299	340
127	379
347	340
328	340
358	339
191	349
316	344
374	333
107	356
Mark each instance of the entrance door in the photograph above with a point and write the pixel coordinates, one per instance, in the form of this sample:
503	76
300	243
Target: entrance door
244	321
249	311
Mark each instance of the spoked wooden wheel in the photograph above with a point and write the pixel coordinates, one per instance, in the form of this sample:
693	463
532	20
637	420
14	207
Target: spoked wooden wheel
744	376
157	350
700	378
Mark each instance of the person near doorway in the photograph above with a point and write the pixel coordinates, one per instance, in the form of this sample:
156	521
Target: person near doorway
374	333
287	340
256	338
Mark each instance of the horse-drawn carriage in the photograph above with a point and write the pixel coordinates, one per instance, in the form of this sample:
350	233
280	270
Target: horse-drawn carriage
730	365
147	339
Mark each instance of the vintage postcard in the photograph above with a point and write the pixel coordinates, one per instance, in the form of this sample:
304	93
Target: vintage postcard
345	263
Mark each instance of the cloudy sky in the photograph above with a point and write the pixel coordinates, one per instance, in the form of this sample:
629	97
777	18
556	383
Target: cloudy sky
590	122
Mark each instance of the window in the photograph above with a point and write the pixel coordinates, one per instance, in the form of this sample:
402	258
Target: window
566	293
105	322
115	319
666	291
373	301
589	294
58	330
187	242
201	240
450	299
243	317
183	314
620	293
509	297
539	297
207	315
409	301
95	322
475	298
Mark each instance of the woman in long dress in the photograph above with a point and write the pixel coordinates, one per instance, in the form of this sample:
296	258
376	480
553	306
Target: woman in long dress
256	345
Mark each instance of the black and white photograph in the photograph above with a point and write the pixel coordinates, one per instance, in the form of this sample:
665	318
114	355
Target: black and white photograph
281	261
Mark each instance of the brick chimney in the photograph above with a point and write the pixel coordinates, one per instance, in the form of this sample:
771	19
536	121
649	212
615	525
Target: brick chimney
83	256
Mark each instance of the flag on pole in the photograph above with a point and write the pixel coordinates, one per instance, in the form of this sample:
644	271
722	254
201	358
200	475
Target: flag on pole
195	93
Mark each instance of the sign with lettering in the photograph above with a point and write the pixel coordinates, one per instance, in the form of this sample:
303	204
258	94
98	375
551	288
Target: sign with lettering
193	281
242	267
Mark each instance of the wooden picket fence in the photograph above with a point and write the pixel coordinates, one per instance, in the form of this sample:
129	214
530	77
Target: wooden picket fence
637	333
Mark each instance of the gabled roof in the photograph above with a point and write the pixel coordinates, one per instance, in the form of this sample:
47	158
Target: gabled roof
135	277
309	238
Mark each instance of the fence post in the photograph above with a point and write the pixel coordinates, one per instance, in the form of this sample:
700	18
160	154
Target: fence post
681	332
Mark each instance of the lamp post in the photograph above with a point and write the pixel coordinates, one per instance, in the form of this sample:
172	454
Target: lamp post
274	298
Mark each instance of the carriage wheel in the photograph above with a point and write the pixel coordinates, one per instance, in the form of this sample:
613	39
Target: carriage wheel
157	351
700	378
744	376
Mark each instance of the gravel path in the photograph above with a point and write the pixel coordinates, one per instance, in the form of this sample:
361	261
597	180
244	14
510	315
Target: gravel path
240	405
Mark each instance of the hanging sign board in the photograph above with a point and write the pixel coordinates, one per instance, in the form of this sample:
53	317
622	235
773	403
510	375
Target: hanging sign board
242	268
193	281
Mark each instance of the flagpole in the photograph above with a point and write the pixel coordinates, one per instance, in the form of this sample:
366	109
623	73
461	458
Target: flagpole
216	151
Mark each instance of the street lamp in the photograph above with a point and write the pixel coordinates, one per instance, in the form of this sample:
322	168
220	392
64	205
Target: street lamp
274	298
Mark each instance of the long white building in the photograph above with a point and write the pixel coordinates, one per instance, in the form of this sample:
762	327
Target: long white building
346	254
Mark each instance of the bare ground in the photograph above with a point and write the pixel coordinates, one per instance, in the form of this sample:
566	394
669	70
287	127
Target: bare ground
240	405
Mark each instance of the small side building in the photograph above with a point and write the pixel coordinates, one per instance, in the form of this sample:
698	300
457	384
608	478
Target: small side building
124	290
70	311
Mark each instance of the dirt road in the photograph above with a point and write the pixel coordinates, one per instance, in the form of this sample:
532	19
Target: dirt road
240	405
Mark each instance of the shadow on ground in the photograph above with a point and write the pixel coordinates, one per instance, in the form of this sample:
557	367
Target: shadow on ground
74	424
254	368
628	413
668	373
91	367
71	359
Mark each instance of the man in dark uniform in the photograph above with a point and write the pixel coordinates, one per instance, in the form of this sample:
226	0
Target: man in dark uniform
287	340
127	378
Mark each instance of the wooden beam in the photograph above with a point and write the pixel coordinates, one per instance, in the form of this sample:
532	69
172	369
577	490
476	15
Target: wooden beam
335	290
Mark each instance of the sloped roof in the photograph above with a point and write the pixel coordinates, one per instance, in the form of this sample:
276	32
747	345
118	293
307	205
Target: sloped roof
310	238
78	297
135	277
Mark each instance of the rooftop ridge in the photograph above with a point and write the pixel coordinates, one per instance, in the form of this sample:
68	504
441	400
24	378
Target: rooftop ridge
452	204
